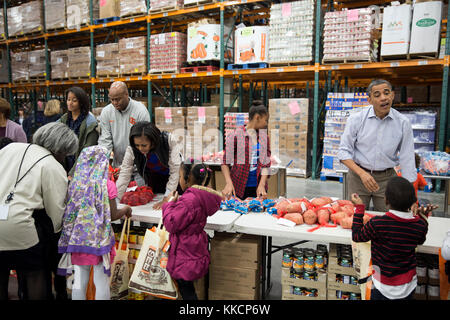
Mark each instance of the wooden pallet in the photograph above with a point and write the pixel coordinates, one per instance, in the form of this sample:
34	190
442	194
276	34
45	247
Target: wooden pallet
79	78
133	74
58	29
175	71
37	78
134	15
165	9
60	79
199	69
289	64
30	34
105	76
106	20
199	3
342	61
408	56
21	81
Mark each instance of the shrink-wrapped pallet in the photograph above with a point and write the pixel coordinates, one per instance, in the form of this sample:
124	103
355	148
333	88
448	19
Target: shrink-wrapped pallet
132	8
15	21
2	26
32	17
36	63
19	66
55	14
60	64
77	12
108	61
79	62
161	5
132	56
167	52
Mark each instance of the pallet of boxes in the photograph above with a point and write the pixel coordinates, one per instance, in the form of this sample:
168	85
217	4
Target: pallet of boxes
235	269
172	120
290	123
203	135
304	273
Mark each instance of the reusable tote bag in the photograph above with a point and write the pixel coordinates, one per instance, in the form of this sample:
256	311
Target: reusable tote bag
119	269
150	274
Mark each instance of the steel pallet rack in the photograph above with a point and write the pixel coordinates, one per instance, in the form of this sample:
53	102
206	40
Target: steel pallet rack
318	77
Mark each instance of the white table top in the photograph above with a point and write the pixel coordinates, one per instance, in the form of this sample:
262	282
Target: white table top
220	221
264	224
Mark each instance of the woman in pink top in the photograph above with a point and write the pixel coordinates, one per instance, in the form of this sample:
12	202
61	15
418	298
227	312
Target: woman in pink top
9	128
185	218
87	238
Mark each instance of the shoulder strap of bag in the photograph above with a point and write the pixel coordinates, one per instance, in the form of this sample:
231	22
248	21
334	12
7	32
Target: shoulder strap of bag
126	222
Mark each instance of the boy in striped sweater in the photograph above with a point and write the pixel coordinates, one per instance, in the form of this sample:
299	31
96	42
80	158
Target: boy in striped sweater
394	238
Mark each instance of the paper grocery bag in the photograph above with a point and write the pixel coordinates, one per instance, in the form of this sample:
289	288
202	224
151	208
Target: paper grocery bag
362	263
150	274
119	269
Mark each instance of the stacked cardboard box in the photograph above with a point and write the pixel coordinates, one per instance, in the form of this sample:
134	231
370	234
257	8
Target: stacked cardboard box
79	62
109	8
235	269
132	55
132	7
202	124
78	14
167	52
15	21
158	5
169	119
60	64
289	132
291	35
32	17
108	59
55	14
342	277
426	27
19	66
36	63
251	45
396	31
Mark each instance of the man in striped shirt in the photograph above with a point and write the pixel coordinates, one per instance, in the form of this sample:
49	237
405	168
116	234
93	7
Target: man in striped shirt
394	238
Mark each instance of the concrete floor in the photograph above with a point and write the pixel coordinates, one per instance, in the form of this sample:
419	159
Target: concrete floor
312	188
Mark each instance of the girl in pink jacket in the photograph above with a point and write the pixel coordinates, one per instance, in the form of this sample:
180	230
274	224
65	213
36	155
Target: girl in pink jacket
184	218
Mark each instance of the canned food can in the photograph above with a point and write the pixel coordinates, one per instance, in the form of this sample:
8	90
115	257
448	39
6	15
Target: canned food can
297	291
353	296
339	278
132	238
345	295
353	280
307	275
345	261
318	261
298	263
311	292
346	279
286	262
309	262
140	239
339	294
298	275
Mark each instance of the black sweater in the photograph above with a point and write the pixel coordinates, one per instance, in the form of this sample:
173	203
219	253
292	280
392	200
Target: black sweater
393	244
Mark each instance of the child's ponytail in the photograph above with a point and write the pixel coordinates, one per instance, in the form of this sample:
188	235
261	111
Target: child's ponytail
200	172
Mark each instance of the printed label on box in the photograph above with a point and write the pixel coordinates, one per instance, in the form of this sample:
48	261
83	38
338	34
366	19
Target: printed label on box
201	114
352	15
294	107
168	115
129	45
286	10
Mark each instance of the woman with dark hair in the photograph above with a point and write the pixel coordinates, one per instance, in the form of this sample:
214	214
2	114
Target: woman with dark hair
81	121
157	156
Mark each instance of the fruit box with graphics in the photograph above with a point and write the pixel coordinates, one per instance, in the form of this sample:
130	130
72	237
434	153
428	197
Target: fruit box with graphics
251	45
203	43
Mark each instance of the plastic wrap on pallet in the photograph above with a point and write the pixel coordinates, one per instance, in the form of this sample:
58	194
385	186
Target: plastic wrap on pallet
203	42
132	54
162	4
15	21
132	7
349	35
108	59
77	12
167	52
55	14
289	128
79	62
36	63
59	64
19	66
32	17
202	137
291	35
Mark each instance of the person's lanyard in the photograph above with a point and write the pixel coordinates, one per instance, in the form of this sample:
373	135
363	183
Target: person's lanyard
11	195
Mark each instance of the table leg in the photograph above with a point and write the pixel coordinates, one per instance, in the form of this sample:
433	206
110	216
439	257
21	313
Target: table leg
344	186
263	267
447	186
269	262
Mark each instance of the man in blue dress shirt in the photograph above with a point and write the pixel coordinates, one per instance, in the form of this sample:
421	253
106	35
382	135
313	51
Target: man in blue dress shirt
375	140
